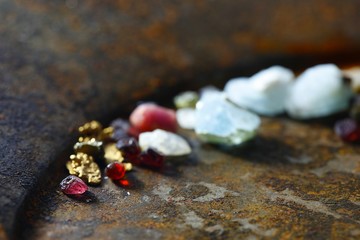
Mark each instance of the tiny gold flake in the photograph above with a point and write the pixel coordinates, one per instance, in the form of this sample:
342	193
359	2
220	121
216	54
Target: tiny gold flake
91	147
92	128
112	154
83	166
106	134
128	166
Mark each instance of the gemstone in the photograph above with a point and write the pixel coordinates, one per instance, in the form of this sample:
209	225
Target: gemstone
186	99
112	153
73	185
318	92
115	170
83	166
129	148
220	121
348	130
152	159
264	93
149	116
121	129
186	118
165	143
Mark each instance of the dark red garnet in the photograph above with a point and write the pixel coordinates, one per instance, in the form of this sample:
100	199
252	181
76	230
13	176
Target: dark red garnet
151	158
129	148
115	170
348	130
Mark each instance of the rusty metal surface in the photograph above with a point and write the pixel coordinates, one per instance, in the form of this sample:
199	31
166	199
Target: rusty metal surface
64	62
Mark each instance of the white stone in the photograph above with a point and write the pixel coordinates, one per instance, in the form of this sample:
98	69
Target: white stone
318	92
186	118
166	143
220	121
264	93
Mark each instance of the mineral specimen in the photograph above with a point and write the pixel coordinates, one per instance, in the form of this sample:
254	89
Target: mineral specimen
220	121
72	185
264	93
318	92
166	143
83	166
186	118
186	99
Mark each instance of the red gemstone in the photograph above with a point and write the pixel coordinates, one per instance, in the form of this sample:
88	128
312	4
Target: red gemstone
151	158
73	185
129	148
115	171
149	116
348	130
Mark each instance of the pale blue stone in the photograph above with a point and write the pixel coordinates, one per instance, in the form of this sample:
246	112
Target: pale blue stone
220	121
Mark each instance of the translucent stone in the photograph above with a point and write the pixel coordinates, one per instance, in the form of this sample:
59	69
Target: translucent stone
264	93
348	130
186	118
149	116
166	143
220	121
115	170
186	99
129	148
152	159
318	92
73	185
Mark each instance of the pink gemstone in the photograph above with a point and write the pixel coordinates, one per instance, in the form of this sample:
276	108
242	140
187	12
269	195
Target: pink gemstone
149	116
73	185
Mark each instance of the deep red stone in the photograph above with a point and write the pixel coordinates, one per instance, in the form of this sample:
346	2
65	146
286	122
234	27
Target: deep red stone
73	185
151	158
149	116
129	148
348	130
115	171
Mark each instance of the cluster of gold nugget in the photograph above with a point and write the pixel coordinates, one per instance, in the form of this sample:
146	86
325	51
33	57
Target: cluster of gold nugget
94	144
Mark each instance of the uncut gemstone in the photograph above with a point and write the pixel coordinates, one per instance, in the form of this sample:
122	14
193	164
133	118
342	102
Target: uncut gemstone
164	142
121	129
115	170
129	148
149	116
186	118
264	93
318	92
186	99
348	130
222	122
151	158
73	185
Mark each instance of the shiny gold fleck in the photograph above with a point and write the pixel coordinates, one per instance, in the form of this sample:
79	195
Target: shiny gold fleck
105	134
112	154
91	147
92	128
83	166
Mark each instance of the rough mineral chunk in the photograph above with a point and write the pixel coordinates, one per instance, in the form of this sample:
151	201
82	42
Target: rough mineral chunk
186	99
318	92
72	185
186	118
220	121
166	143
149	116
91	147
112	153
264	93
83	166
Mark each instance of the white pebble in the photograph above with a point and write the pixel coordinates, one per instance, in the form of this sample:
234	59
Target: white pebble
186	118
166	143
318	92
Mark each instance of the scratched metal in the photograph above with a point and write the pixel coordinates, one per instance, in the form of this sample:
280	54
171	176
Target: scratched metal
63	62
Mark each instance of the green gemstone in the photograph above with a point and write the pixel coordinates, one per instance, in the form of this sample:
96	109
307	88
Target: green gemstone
186	99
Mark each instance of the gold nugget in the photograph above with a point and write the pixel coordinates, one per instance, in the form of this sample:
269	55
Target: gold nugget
83	166
112	154
92	128
128	166
91	147
106	134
